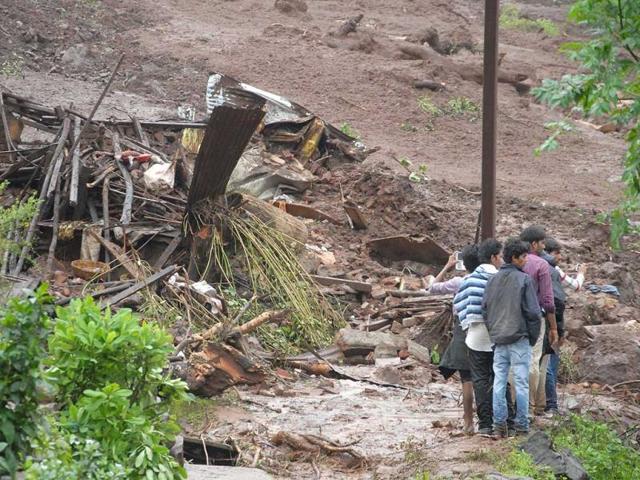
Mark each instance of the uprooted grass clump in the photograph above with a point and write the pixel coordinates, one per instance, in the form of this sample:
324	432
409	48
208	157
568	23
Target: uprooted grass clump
269	259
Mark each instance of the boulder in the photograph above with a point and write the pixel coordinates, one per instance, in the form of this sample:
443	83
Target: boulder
563	464
613	355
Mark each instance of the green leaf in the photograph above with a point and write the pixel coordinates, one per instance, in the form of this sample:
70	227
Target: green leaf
139	459
8	431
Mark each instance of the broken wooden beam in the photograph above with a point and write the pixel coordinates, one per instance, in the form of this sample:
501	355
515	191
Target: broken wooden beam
165	272
305	211
74	189
118	252
362	287
164	257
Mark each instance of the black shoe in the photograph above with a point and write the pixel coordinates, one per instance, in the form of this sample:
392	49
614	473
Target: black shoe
485	432
500	431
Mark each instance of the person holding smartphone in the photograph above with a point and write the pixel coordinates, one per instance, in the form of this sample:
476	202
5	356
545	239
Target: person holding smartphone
456	356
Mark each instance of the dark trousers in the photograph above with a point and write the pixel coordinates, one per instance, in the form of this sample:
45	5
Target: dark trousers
481	364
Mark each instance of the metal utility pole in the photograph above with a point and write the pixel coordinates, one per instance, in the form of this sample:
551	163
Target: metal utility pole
489	123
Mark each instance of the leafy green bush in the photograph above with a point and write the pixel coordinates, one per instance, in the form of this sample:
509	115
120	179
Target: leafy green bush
66	456
24	325
603	455
108	369
131	434
90	349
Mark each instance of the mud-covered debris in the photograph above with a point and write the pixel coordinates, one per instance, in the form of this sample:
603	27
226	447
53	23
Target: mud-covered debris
316	444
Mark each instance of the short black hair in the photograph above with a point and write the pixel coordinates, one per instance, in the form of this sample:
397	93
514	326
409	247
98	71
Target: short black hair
533	233
552	245
487	249
470	257
514	247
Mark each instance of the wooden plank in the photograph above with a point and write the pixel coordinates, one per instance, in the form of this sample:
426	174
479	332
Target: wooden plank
140	285
362	287
168	251
130	266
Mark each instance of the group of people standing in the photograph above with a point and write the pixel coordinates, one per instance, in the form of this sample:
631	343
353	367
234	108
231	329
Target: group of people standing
508	329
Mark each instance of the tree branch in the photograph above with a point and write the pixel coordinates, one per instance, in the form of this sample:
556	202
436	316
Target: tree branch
621	18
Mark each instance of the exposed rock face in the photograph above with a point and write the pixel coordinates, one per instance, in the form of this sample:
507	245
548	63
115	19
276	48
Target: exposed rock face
613	355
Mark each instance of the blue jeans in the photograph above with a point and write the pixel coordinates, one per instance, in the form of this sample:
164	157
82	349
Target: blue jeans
518	356
552	380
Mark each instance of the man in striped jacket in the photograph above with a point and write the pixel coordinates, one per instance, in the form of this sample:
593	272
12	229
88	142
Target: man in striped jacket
468	306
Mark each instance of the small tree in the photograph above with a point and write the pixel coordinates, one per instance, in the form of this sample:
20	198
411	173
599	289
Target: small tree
24	326
609	86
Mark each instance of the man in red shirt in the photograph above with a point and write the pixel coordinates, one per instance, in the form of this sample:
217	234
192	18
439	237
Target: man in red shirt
538	269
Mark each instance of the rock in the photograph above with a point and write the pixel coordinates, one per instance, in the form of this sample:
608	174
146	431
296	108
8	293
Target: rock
75	56
409	322
540	447
419	352
378	293
499	476
291	6
613	356
357	342
385	351
388	374
396	327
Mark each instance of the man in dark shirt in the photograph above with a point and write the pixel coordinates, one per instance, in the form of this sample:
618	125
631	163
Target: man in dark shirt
512	315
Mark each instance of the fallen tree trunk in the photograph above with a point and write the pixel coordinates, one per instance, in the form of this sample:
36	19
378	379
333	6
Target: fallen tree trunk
315	444
467	72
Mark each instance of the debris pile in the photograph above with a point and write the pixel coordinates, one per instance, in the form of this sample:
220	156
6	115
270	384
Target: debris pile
132	209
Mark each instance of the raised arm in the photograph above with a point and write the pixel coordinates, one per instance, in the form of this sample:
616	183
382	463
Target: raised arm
450	263
445	288
574	283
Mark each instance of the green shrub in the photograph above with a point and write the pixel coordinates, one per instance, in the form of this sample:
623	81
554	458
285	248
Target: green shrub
67	456
90	349
108	370
601	451
348	130
461	106
427	106
128	432
24	325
